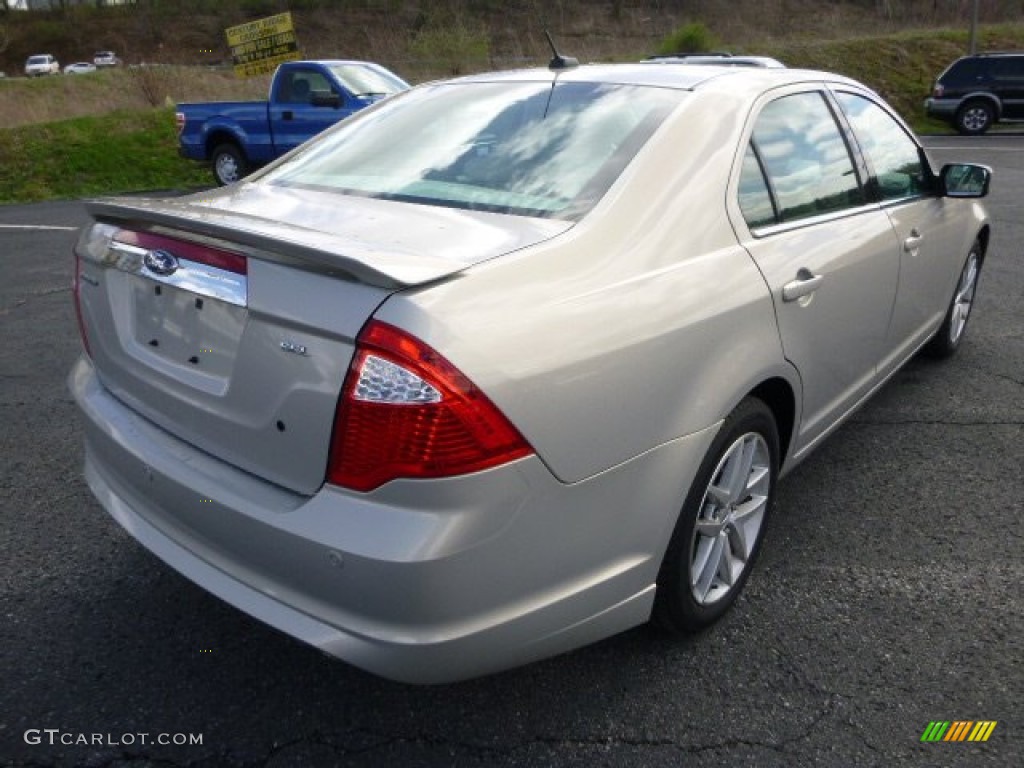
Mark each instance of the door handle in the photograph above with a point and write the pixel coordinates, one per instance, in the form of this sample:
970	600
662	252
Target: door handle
287	115
806	283
912	242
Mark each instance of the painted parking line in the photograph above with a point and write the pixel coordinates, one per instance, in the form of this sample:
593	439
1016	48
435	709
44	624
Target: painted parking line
38	226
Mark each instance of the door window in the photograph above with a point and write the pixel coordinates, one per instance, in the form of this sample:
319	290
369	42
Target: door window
894	156
1008	68
297	86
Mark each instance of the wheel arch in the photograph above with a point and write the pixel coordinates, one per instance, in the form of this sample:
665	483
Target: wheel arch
778	395
220	136
984	234
991	98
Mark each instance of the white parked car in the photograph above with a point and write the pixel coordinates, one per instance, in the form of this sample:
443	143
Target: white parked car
79	68
41	64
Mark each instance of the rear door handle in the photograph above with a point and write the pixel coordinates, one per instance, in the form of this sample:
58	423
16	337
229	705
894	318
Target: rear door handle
806	283
287	115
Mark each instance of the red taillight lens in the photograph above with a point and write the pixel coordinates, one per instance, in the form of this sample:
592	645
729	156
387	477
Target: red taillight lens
204	254
405	411
76	288
179	121
938	90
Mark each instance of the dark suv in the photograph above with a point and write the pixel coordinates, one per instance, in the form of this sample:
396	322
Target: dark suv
976	91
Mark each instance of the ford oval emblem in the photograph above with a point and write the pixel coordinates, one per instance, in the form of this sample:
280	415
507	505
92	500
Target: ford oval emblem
160	262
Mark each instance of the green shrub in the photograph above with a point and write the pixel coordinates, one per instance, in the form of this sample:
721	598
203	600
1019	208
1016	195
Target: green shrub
689	38
453	47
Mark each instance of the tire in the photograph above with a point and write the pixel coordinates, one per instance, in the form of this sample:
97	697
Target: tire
229	164
975	117
720	529
947	339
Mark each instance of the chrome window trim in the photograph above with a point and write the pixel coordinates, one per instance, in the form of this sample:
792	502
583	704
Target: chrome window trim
810	221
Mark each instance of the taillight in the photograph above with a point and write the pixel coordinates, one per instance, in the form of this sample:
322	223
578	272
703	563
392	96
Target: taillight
179	122
406	412
938	90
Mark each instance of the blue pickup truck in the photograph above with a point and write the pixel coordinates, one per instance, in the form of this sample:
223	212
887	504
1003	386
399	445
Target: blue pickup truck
305	98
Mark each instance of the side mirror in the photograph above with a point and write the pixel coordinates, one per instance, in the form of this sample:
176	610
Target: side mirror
965	180
325	99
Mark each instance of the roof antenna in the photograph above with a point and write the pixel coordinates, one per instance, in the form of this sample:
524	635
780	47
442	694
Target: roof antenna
559	61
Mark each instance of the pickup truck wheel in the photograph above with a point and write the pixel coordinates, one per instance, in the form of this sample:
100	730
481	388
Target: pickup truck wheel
229	164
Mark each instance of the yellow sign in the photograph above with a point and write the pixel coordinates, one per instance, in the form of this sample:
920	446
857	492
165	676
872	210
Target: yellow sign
259	46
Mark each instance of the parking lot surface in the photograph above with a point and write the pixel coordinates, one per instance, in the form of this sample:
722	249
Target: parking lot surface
888	594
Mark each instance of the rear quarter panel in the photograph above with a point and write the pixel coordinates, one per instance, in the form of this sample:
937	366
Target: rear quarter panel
246	123
644	323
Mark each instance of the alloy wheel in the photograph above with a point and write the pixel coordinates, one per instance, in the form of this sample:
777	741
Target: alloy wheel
964	298
975	119
730	518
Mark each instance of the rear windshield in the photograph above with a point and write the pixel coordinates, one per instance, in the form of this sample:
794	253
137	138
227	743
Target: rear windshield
39	60
532	149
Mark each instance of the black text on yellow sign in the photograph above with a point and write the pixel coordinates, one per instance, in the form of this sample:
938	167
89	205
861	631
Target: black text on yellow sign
259	46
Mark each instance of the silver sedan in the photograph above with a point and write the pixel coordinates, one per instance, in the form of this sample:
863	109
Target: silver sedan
508	364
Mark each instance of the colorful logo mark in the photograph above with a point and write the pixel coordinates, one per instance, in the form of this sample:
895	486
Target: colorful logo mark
958	730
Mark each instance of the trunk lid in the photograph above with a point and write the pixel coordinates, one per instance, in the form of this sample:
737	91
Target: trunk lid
234	331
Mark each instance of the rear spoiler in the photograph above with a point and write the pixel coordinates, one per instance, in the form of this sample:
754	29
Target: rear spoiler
391	269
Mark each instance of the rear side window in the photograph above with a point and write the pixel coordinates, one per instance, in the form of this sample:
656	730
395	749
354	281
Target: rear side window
754	198
808	165
961	72
894	156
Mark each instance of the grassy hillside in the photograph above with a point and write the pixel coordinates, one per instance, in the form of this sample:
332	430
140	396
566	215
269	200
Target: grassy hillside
901	67
425	39
113	131
121	151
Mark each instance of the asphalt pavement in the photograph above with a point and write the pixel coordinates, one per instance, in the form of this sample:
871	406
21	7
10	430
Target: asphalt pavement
888	596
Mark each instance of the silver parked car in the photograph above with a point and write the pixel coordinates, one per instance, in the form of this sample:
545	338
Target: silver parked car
511	363
105	59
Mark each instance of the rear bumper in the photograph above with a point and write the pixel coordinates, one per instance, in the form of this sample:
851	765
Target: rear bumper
944	109
190	154
426	581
